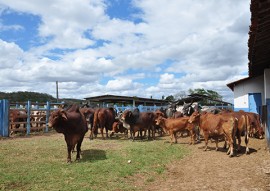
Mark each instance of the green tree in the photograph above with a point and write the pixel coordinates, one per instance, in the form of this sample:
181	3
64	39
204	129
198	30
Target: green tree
169	98
213	96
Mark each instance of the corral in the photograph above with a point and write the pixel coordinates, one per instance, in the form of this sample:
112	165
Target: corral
37	164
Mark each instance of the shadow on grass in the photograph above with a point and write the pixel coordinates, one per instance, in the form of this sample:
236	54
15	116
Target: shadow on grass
93	155
239	153
122	137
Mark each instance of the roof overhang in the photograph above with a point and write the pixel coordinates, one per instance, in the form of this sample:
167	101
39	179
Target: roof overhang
126	100
233	84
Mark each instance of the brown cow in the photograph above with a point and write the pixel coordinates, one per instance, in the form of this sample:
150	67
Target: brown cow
118	128
138	121
89	115
72	124
243	126
255	128
17	116
176	125
216	126
103	118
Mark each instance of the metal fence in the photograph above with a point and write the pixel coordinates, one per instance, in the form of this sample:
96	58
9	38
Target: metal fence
25	122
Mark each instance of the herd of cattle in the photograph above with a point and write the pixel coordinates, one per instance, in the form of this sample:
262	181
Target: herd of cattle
18	119
229	126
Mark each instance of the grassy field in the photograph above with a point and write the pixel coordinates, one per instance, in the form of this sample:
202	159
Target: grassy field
39	163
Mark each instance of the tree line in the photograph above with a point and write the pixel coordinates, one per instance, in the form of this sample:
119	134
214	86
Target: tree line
213	96
23	96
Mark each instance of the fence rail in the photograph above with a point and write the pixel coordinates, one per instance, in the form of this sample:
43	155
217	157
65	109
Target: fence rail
26	120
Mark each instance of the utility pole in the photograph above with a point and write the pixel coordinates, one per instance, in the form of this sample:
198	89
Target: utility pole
57	92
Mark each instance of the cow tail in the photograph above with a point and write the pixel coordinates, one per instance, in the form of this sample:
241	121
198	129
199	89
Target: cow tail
235	129
95	123
248	128
247	122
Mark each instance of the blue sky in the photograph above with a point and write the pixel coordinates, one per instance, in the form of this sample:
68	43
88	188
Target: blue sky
123	47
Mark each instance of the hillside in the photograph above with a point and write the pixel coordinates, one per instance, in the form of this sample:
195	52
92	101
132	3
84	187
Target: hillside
23	96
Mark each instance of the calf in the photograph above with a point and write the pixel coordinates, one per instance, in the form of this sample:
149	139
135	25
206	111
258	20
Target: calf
118	128
72	124
176	125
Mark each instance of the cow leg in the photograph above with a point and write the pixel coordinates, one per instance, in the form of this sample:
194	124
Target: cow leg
150	131
192	137
171	133
107	136
69	149
239	142
225	144
230	150
101	131
197	129
175	137
246	141
133	135
206	141
153	132
216	140
92	132
140	132
78	156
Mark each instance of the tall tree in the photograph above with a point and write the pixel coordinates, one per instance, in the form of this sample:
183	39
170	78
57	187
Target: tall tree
213	95
169	98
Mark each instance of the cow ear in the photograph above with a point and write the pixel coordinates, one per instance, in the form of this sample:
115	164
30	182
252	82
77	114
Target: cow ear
129	114
64	115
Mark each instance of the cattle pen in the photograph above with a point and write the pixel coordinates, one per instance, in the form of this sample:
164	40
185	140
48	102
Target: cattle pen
24	116
27	117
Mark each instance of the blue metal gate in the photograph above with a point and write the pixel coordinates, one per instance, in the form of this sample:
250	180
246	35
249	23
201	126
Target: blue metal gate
4	118
255	102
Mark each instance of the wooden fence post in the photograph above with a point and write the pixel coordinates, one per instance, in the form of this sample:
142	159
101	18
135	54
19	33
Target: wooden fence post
4	118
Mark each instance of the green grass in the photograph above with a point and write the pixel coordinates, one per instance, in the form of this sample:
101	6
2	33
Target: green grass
39	163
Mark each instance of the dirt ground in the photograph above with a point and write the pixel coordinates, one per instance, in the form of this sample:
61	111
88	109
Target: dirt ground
214	170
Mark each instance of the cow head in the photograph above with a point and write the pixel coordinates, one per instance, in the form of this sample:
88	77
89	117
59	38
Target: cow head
159	120
56	117
127	114
259	133
195	117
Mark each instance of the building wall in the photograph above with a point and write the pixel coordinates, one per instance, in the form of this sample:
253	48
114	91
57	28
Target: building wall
241	91
267	83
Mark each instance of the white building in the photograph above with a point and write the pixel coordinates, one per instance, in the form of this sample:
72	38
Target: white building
253	93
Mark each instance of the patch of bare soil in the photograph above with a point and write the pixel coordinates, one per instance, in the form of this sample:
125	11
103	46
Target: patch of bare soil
214	170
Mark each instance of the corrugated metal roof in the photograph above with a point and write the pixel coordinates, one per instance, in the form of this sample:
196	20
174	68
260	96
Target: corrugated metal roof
259	37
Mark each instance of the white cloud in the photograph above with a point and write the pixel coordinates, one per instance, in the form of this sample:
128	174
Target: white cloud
119	85
179	45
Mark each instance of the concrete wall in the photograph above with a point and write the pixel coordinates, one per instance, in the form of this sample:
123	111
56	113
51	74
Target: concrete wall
241	91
